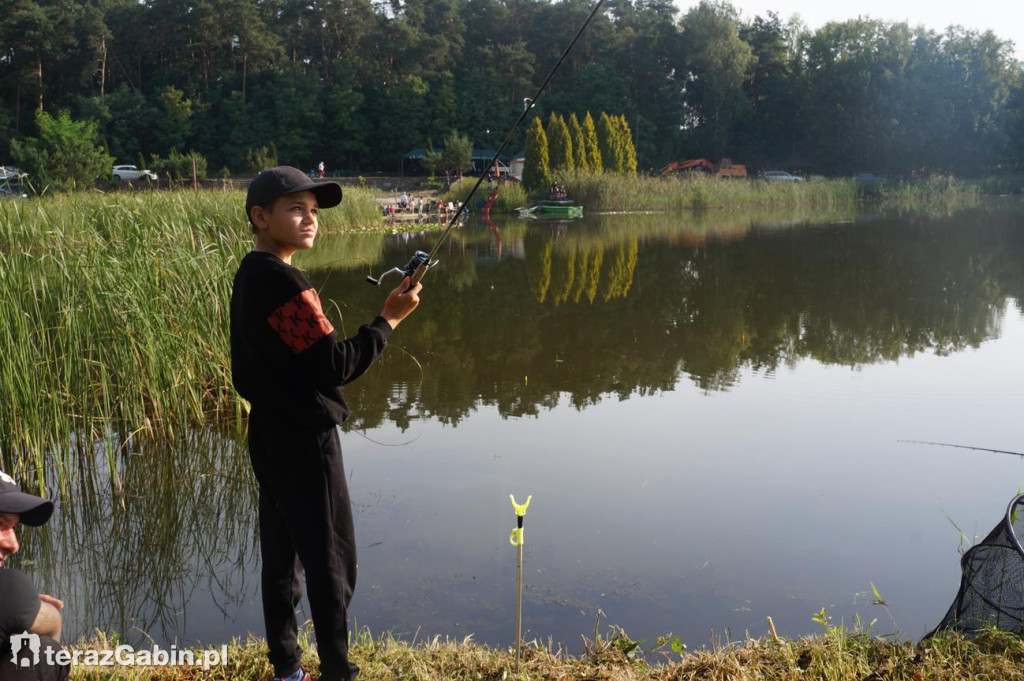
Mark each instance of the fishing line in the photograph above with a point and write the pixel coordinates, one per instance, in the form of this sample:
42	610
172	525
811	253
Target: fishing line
421	261
946	444
415	361
363	434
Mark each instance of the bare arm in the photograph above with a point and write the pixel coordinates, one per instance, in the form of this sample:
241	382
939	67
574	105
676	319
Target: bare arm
47	622
400	303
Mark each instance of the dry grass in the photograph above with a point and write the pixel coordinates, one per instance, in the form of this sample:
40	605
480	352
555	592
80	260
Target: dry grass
835	655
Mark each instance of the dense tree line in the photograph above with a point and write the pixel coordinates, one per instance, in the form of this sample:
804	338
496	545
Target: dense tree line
357	83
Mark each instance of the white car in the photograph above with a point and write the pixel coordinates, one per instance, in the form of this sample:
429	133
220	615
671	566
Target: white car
780	176
132	173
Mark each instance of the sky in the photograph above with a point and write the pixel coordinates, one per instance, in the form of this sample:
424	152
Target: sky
1004	17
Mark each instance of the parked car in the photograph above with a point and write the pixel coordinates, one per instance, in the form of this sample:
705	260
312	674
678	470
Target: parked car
9	173
132	173
12	190
869	178
780	176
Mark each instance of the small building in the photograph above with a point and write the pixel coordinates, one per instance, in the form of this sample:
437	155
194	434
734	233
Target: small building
515	166
412	162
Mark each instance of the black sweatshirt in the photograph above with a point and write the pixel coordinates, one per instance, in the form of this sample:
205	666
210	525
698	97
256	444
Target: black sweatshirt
285	355
19	606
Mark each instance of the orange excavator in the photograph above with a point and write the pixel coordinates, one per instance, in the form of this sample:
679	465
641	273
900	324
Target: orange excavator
701	165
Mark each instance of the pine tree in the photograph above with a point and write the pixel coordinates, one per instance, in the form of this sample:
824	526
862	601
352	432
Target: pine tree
579	147
559	143
593	149
536	167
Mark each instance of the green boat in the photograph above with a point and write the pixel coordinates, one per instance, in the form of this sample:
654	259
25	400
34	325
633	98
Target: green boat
562	208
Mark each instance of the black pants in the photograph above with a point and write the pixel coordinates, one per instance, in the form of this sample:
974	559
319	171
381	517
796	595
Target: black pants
305	521
30	671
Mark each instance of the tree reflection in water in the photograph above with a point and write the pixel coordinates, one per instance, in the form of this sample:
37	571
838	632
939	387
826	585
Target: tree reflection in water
616	305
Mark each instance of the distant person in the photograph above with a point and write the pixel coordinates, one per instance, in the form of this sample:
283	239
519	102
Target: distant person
321	170
23	610
287	361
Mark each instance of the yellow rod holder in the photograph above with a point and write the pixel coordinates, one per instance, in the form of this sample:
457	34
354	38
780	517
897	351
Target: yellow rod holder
517	540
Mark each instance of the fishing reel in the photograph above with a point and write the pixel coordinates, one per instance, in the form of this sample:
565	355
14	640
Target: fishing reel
419	260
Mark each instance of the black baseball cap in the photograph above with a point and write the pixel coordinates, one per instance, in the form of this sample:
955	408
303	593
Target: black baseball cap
33	510
272	183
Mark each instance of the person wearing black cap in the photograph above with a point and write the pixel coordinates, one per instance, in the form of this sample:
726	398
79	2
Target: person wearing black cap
23	610
287	361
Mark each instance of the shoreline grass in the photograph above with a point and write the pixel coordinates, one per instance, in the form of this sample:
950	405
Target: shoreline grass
836	654
606	192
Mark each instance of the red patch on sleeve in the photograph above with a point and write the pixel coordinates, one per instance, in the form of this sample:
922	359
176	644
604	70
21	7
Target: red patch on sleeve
300	322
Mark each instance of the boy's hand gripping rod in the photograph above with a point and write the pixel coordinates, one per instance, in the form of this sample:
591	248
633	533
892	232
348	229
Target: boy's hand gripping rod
421	262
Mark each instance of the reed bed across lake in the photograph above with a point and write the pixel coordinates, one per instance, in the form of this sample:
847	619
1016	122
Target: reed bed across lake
114	317
603	192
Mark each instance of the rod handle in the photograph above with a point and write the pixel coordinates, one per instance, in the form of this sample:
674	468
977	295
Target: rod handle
417	274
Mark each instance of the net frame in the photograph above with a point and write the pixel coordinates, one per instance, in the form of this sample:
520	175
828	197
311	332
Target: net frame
991	592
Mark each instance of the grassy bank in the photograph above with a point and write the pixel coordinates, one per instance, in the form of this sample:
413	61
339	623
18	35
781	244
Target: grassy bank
836	655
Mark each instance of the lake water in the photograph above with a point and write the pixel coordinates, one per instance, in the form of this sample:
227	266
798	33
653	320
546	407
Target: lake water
707	411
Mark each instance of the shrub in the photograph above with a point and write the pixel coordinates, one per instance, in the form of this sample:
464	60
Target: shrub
179	167
65	156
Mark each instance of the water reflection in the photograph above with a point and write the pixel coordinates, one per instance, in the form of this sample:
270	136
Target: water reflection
616	305
156	540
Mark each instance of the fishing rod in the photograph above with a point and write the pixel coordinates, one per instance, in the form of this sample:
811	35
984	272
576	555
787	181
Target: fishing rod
422	261
946	444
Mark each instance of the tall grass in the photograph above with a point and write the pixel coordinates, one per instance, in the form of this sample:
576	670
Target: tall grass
607	192
114	316
935	189
511	195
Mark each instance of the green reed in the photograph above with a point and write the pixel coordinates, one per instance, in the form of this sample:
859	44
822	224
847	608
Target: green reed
511	195
607	192
114	316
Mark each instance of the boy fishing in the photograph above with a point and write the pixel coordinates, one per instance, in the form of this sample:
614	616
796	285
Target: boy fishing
287	361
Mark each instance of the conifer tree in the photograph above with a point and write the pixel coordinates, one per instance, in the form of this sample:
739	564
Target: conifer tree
593	148
606	141
628	148
559	143
536	166
579	146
